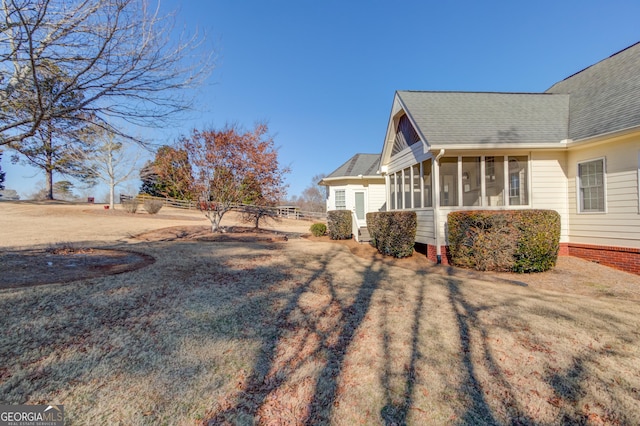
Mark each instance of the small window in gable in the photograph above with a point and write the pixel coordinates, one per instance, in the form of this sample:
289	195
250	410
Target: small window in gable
406	135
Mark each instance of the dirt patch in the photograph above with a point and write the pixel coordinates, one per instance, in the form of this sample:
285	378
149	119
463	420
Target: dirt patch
203	233
64	264
140	214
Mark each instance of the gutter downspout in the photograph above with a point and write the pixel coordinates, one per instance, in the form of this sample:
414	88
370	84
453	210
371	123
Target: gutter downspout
436	206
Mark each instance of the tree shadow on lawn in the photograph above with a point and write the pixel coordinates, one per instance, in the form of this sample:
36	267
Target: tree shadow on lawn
295	377
568	400
300	313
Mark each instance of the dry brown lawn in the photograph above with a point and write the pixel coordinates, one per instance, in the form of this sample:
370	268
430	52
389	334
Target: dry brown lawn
242	330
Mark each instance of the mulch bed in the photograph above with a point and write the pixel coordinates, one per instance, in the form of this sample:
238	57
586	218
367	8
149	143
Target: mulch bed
203	233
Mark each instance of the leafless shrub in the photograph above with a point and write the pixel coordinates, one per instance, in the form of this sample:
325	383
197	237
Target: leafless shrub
152	206
130	206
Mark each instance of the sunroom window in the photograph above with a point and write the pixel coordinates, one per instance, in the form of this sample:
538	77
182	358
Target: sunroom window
471	190
494	180
449	181
518	185
427	195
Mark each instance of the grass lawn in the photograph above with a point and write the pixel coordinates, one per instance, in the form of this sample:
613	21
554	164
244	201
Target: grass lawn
302	332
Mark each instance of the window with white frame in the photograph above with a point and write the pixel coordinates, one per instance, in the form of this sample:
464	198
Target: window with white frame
591	186
341	201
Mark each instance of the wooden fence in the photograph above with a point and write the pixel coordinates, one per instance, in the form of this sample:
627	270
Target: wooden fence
290	212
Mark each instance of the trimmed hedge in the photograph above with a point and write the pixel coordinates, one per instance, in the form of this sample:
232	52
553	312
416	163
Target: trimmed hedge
393	233
339	224
505	240
318	229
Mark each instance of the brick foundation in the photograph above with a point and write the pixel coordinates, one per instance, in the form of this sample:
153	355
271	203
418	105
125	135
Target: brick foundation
432	254
622	258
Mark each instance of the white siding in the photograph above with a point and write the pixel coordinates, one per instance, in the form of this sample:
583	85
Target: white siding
377	198
375	194
407	158
549	186
620	225
424	233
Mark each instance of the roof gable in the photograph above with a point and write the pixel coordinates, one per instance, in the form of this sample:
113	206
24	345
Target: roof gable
604	97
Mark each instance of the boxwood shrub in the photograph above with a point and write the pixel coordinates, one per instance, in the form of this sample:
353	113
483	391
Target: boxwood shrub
393	233
339	224
505	240
318	229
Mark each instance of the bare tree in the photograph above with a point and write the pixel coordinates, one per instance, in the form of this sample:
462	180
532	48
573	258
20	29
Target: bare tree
119	54
314	197
112	163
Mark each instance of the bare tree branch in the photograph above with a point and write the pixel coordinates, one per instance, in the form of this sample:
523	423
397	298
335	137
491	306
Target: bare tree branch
122	55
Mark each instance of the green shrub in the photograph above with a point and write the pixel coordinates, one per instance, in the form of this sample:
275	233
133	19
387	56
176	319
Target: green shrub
393	233
130	206
339	224
506	240
153	206
539	241
318	229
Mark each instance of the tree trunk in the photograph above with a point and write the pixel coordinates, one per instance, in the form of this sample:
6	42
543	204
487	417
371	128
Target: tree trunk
214	217
49	184
49	166
112	190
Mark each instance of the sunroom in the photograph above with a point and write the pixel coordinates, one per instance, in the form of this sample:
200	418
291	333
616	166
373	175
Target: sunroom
447	151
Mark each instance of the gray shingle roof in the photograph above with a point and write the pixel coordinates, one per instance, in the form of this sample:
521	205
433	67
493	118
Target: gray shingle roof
445	118
605	97
359	164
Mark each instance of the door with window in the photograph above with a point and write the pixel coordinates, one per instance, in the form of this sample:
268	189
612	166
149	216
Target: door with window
359	208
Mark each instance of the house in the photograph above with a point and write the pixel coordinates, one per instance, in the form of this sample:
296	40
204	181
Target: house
358	186
574	148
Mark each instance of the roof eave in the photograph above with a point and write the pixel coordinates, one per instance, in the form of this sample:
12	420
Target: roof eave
605	136
354	178
502	146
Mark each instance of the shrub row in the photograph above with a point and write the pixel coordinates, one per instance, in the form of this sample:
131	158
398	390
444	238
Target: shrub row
393	233
508	240
151	206
339	224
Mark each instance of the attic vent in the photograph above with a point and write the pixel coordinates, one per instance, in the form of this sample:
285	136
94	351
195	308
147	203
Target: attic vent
406	135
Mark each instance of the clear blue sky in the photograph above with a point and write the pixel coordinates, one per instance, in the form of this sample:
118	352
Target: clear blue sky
323	73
